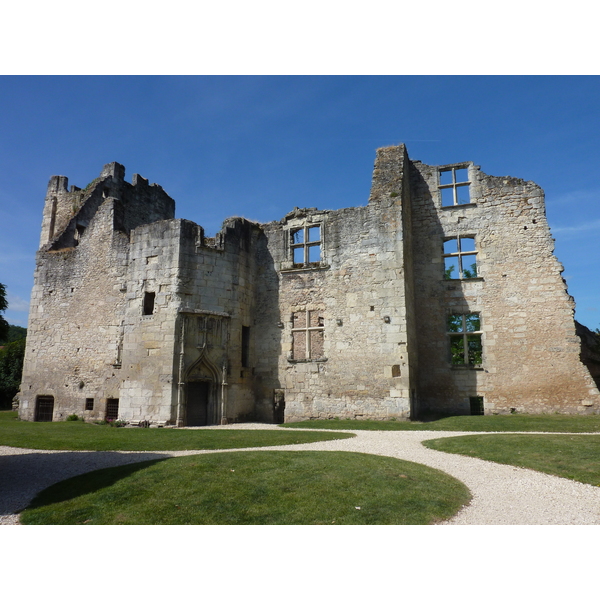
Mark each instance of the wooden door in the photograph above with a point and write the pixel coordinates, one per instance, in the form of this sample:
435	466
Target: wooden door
197	403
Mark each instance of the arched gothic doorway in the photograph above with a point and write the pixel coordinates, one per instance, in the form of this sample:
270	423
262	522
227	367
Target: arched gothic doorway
202	394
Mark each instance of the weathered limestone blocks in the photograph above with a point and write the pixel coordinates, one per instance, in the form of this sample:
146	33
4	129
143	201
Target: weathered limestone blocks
441	295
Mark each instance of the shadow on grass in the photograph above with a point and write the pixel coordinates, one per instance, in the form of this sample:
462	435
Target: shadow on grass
22	476
85	484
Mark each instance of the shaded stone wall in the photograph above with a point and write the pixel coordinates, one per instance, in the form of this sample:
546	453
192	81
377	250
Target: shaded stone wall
530	351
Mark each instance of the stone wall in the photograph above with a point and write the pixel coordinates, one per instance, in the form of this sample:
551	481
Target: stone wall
530	351
441	295
80	299
359	292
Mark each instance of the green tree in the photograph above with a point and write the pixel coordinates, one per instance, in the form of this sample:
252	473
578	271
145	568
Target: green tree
11	367
15	332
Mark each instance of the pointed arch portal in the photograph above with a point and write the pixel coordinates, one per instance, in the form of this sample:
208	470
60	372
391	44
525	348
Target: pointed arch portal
201	394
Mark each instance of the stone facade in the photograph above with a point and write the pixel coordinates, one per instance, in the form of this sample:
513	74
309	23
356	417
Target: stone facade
442	295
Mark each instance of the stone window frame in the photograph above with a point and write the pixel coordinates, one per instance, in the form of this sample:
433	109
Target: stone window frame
463	335
454	185
305	223
306	244
459	254
308	330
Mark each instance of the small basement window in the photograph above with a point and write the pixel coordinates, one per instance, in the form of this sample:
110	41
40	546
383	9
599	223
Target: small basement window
149	303
89	404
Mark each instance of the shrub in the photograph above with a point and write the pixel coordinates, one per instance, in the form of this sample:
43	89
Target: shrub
72	418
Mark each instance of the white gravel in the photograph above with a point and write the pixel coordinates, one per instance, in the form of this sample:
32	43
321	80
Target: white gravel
502	495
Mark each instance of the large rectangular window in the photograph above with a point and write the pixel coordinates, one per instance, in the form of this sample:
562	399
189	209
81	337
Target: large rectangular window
460	258
305	243
307	335
465	339
454	186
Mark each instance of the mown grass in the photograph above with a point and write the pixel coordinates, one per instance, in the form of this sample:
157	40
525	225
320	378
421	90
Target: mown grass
77	435
254	488
551	423
574	457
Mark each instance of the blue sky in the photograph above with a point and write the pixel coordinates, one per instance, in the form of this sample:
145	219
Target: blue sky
257	146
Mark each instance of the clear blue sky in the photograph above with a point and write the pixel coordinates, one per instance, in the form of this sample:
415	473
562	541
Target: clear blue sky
257	146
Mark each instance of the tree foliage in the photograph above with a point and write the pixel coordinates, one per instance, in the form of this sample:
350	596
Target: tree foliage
11	355
11	367
15	332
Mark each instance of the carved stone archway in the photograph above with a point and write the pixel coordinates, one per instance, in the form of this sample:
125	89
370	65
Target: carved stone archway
202	393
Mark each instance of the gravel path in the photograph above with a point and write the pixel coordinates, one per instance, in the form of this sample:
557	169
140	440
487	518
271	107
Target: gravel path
502	495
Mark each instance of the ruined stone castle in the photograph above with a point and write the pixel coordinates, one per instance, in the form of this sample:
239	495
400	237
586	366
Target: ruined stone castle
441	295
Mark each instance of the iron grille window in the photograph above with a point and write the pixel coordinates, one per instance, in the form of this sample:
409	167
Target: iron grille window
44	408
112	409
89	404
476	405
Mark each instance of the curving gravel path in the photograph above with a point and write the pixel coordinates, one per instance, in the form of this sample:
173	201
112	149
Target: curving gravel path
502	495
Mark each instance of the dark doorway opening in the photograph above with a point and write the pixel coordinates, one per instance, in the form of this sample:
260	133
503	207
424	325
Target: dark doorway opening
197	403
44	407
476	405
278	406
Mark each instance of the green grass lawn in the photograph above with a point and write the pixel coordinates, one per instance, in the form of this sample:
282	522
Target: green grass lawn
574	457
77	435
255	488
557	423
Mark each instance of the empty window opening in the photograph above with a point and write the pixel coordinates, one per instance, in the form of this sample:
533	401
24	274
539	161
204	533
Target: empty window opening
89	404
112	409
395	370
460	258
454	186
476	405
149	303
44	408
307	335
465	339
245	346
306	245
